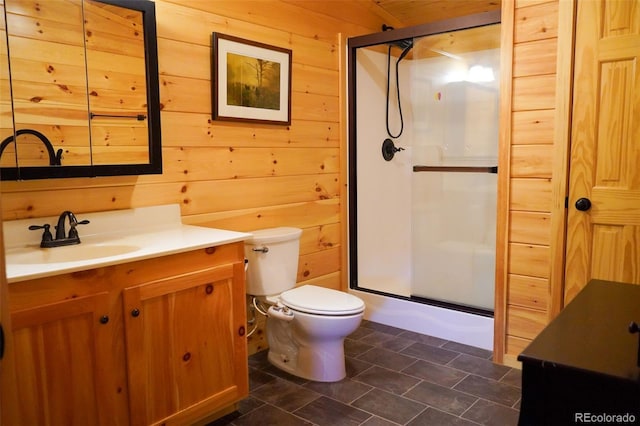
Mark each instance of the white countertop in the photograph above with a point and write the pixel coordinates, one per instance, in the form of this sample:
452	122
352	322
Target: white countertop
110	238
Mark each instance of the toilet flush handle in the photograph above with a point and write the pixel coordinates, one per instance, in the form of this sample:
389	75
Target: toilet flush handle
261	249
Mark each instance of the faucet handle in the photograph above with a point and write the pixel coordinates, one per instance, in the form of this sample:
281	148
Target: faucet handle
46	235
73	232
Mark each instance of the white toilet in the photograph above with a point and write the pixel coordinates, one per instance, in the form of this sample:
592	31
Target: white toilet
306	326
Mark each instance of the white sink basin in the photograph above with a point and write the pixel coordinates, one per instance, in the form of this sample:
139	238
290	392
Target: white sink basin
75	253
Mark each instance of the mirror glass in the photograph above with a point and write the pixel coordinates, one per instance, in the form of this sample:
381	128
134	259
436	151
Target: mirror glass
84	87
8	159
48	82
117	85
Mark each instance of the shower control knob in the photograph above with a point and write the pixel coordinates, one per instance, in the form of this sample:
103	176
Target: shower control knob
583	204
389	149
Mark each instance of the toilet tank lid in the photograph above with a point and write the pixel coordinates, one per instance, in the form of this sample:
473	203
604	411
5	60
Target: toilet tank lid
322	301
274	235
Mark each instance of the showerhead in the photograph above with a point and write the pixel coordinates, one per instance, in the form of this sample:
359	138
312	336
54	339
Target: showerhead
404	44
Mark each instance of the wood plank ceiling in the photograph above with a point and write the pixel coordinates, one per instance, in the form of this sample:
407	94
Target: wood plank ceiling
415	12
400	13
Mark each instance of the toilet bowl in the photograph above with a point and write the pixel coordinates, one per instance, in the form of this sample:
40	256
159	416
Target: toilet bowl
306	325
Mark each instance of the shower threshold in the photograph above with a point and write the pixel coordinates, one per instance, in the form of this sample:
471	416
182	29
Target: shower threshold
432	302
455	306
446	323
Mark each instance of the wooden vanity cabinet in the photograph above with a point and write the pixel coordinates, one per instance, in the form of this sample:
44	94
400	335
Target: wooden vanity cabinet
157	341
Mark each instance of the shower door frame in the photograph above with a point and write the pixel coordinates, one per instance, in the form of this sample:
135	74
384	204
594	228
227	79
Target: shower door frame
353	43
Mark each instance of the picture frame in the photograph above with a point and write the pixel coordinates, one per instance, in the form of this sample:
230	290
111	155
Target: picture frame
251	81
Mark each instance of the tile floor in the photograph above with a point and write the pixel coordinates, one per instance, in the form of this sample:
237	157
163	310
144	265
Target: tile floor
394	377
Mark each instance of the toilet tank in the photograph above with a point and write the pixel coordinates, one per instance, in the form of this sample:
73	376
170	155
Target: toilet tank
273	260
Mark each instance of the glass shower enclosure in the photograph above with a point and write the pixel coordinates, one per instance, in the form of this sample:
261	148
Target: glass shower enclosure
423	146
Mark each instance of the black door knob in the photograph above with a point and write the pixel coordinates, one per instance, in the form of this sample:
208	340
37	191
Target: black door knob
583	204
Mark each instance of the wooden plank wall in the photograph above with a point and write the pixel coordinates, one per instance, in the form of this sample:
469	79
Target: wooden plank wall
532	198
235	175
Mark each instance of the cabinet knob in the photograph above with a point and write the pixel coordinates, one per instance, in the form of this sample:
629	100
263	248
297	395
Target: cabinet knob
135	312
241	330
1	342
635	328
209	289
104	319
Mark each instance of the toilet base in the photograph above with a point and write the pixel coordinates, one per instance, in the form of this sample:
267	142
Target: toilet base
325	365
311	346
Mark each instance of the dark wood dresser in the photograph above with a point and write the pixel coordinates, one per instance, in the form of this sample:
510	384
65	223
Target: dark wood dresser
584	364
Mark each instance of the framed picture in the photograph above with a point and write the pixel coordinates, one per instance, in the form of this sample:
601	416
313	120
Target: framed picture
250	81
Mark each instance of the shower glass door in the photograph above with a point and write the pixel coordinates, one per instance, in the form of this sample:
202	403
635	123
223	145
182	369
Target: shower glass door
423	145
454	80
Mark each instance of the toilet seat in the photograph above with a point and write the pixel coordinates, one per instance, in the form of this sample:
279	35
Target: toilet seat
312	299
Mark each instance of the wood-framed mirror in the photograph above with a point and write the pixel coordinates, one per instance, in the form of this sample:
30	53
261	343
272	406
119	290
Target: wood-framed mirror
79	89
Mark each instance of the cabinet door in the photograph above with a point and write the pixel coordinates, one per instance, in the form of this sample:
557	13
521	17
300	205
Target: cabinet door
63	352
186	345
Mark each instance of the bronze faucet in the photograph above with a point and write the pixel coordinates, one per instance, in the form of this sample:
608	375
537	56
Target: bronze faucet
62	239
